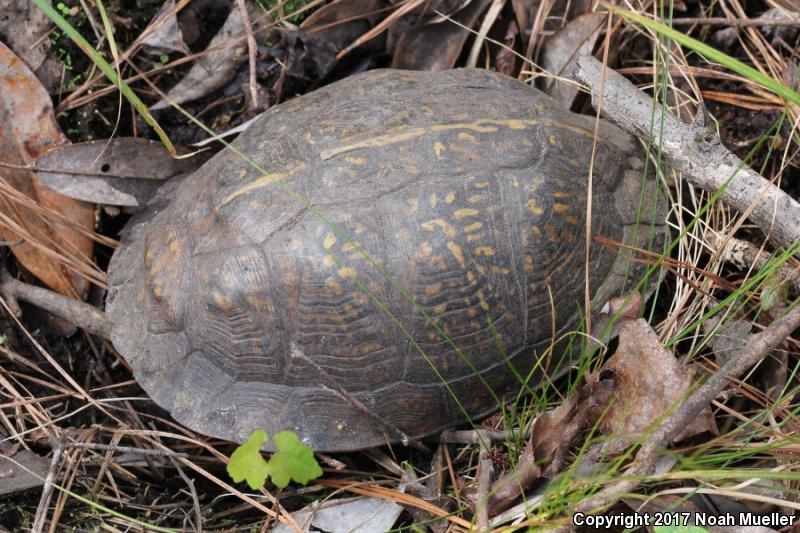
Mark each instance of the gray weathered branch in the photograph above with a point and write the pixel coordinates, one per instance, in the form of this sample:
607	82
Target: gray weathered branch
700	157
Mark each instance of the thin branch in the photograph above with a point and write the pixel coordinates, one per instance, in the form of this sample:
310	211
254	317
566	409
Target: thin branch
701	158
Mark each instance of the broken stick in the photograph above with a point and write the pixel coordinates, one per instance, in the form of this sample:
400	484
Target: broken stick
701	159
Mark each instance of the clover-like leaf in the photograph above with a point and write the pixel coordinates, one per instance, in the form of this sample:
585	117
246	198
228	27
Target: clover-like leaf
246	462
293	461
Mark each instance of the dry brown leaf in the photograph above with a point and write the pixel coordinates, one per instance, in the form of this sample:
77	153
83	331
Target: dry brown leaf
122	171
333	27
217	66
28	129
553	433
167	35
562	50
24	28
437	44
649	383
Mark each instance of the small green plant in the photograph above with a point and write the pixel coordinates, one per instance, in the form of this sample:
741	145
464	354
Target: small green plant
293	460
66	10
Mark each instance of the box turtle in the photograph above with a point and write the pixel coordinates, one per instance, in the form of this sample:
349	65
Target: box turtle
376	260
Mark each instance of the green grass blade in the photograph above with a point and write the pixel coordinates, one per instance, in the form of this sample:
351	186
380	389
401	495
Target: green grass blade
106	68
709	53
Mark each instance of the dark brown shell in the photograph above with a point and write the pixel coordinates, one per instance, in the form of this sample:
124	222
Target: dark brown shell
393	216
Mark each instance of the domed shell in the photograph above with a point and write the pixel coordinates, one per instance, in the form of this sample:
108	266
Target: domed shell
376	260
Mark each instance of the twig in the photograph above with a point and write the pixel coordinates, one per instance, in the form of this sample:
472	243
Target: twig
251	53
756	348
47	490
125	449
702	160
739	23
474	436
195	500
76	312
485	474
745	255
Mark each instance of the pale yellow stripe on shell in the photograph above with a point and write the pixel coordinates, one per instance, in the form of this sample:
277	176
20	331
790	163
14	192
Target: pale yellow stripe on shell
486	125
263	181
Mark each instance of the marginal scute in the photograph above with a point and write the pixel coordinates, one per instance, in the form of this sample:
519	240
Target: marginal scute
392	267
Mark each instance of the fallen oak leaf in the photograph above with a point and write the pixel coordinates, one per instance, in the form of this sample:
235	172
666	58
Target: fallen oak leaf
123	171
28	129
649	381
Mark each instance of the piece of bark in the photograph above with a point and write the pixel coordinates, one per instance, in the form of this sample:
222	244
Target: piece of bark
700	157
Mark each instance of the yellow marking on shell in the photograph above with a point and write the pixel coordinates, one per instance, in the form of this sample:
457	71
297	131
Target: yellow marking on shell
475	198
533	208
475	237
464	213
515	182
572	219
309	138
475	226
370	347
263	181
433	200
457	252
243	173
396	136
482	300
552	140
451	196
328	261
426	249
438	149
158	263
437	261
356	160
528	264
148	256
433	290
484	125
439	310
221	301
560	194
536	230
471	277
347	273
403	234
431	225
464	136
560	208
493	209
158	290
413	205
255	303
481	184
481	269
329	241
333	285
503	271
348	247
484	250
